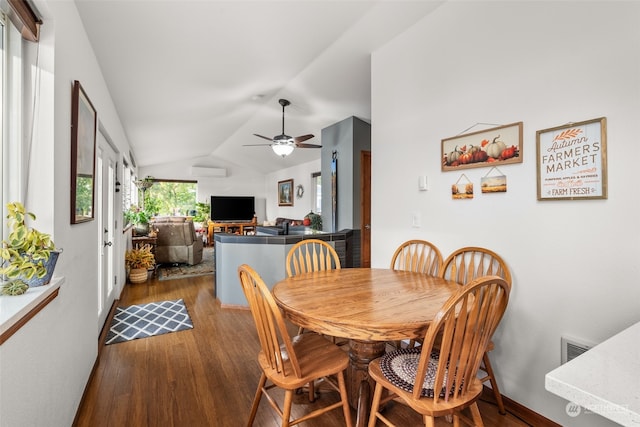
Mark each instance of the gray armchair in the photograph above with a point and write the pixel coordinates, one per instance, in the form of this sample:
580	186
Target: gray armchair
177	241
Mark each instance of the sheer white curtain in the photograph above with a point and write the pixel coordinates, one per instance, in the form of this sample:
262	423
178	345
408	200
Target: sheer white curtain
26	152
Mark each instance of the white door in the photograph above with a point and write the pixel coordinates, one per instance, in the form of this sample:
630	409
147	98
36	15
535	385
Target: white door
105	209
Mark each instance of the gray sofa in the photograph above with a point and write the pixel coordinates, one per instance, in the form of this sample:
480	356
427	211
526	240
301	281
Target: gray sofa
177	241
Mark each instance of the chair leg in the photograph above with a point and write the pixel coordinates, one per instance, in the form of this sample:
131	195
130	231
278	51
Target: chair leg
286	410
429	421
256	399
494	384
346	409
475	414
312	391
375	405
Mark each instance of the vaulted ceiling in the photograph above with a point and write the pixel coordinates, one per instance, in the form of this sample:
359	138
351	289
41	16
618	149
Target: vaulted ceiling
196	79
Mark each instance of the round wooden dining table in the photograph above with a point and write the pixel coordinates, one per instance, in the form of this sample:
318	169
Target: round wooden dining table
368	306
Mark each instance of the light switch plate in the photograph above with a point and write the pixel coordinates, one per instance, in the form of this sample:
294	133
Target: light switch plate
422	183
416	220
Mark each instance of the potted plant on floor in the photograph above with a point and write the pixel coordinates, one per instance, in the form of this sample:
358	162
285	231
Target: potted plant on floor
28	255
139	261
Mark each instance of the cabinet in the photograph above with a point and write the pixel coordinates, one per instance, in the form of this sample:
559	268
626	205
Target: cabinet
230	227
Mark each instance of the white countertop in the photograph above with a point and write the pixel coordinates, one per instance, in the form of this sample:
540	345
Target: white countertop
605	379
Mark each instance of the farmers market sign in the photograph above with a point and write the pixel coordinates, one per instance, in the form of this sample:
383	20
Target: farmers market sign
572	161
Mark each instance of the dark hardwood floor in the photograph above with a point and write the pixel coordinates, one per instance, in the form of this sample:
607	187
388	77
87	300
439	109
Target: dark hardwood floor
201	377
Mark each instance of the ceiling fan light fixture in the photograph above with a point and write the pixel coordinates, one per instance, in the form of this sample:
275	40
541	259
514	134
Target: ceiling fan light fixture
284	144
282	150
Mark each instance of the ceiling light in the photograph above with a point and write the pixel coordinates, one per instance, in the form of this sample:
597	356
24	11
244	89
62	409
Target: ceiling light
282	149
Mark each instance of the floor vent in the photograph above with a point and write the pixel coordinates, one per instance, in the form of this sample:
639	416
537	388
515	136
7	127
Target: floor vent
572	348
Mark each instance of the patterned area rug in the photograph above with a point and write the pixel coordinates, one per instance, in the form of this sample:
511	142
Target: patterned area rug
147	320
180	271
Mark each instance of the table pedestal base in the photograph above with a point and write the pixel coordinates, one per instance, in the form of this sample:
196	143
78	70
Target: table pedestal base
359	385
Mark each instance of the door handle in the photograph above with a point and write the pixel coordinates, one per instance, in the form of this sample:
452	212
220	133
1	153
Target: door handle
367	227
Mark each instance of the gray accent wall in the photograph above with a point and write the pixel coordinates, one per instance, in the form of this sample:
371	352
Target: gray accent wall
348	138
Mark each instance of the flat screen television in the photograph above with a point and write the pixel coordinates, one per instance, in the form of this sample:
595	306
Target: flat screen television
232	208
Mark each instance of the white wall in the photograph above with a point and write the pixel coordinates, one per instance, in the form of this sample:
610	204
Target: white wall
574	263
44	367
300	174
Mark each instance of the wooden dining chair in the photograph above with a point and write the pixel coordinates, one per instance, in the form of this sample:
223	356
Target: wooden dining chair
290	363
306	256
439	378
419	256
463	266
310	255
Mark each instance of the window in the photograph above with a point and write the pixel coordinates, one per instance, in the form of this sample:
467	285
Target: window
19	90
13	174
127	182
20	83
172	197
2	109
133	189
25	154
316	192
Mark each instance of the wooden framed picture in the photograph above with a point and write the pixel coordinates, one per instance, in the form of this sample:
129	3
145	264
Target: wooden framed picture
492	147
83	155
572	161
285	192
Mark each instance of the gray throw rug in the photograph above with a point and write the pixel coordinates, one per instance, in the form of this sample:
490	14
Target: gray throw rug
181	271
147	320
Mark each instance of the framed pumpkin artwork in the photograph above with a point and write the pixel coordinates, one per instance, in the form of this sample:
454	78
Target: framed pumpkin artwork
491	147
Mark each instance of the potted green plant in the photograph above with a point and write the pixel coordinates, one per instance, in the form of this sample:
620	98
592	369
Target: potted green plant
139	261
28	255
140	219
314	220
202	212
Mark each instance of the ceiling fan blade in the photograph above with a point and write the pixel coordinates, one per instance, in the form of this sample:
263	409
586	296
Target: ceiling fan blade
302	138
303	145
263	137
257	145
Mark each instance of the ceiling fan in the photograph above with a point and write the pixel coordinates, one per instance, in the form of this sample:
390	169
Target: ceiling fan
283	144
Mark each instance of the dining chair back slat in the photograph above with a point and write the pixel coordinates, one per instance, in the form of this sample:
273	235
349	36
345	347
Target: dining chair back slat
468	263
310	255
419	256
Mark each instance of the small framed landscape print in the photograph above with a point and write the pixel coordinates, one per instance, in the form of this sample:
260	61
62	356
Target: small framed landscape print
572	161
492	147
285	192
83	155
